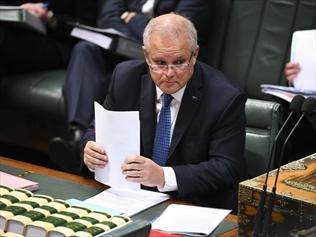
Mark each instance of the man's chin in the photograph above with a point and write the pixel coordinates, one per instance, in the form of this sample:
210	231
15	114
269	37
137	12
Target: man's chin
169	88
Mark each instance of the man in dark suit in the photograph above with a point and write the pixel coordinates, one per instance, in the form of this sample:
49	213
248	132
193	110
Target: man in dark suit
91	66
204	161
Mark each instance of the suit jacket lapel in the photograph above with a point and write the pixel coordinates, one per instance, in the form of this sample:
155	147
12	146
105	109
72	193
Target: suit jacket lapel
147	113
189	105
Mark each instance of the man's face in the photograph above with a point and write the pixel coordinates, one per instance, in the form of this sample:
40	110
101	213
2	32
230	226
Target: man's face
171	62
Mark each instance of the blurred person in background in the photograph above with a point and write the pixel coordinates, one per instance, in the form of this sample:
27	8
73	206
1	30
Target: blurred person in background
25	50
303	141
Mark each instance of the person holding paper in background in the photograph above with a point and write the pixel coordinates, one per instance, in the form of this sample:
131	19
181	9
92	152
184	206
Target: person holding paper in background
304	142
90	68
292	69
198	157
23	50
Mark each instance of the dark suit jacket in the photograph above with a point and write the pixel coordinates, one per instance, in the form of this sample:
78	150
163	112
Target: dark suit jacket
207	146
198	11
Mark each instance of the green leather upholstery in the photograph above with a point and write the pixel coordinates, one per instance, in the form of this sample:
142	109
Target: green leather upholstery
32	108
263	121
252	44
37	93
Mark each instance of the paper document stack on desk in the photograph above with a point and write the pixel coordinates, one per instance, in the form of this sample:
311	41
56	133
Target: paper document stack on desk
128	202
190	220
302	51
119	135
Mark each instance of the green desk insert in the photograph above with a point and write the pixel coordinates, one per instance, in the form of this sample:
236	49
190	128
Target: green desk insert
55	187
63	189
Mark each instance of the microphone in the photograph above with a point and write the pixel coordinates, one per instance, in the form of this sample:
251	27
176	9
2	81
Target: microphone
295	107
311	117
308	107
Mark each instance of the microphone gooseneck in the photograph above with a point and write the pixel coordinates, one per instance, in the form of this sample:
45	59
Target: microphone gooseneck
311	117
295	107
308	107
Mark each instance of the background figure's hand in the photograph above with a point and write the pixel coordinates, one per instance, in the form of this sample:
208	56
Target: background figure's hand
291	71
39	10
94	156
142	170
127	16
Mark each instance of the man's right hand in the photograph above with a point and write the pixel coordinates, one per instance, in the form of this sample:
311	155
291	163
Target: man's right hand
94	156
291	71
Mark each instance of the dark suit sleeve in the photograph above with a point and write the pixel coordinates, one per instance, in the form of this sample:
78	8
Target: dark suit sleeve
225	166
110	16
194	10
82	11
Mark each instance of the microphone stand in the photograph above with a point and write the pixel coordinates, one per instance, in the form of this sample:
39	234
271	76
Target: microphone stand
268	218
258	225
308	106
258	230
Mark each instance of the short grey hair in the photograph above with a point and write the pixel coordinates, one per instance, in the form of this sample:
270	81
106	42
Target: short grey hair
168	27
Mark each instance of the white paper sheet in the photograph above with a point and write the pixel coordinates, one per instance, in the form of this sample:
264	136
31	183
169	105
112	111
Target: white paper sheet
119	134
127	202
97	38
190	220
303	50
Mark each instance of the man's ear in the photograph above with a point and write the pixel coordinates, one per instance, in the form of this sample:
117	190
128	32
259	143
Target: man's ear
195	54
146	54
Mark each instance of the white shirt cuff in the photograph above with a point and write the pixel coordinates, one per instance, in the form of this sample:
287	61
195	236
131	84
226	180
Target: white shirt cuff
170	180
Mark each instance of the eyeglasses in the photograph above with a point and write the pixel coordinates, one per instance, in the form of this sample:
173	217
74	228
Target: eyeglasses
163	68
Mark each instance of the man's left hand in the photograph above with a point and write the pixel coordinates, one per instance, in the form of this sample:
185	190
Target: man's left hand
142	170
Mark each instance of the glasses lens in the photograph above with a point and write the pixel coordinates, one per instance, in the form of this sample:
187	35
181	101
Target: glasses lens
164	68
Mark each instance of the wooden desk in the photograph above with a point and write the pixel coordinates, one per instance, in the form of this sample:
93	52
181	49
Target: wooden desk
87	182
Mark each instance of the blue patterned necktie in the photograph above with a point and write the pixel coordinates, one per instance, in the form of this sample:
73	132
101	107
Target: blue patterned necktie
162	137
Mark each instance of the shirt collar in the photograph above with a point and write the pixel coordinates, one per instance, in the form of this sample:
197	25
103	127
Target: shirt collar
176	96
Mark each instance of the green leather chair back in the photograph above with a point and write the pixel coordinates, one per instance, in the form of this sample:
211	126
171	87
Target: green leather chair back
263	122
253	38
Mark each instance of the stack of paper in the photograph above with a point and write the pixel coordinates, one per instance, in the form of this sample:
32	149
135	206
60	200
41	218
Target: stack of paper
190	220
285	92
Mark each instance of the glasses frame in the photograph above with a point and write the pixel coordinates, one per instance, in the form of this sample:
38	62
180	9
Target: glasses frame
165	67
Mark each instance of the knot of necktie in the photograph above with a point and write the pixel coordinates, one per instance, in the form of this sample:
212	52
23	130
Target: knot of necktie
166	99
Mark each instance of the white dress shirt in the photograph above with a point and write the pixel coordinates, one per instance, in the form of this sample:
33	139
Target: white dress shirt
148	8
170	176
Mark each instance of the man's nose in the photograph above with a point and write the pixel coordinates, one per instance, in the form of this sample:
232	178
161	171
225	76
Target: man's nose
170	70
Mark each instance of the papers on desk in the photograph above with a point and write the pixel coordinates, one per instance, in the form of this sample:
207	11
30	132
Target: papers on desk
127	202
303	50
17	182
190	220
